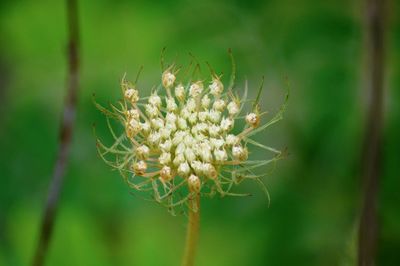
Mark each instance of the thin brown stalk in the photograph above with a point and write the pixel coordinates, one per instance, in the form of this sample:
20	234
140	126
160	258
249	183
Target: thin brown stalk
372	149
66	130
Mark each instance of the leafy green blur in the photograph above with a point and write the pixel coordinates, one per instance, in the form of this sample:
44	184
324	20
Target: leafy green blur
315	192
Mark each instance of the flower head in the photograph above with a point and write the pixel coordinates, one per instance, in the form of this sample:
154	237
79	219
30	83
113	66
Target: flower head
185	141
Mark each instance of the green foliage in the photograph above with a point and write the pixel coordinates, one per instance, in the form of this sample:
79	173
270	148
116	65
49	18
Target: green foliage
314	192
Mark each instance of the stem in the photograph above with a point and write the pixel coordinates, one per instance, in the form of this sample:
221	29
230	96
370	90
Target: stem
192	233
66	130
372	149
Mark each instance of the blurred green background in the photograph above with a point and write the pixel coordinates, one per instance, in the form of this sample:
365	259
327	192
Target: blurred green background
316	192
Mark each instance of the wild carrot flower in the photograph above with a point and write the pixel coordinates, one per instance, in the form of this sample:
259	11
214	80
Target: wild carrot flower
186	139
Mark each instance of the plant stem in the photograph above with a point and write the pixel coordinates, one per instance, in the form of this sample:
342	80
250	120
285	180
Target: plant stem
373	140
66	130
192	233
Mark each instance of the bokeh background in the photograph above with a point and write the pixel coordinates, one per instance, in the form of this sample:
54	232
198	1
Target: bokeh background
315	191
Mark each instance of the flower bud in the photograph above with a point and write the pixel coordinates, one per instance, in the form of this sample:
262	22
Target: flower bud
171	126
191	105
252	119
170	118
227	124
180	92
140	167
154	138
219	105
165	158
196	89
185	113
233	108
182	124
239	153
202	127
197	167
217	143
220	155
205	153
194	183
157	123
232	140
168	79
184	169
145	127
151	110
132	128
189	155
180	148
155	100
214	130
166	146
133	114
192	118
189	140
210	171
165	132
214	116
216	87
203	116
179	159
142	152
178	137
131	95
171	105
205	101
166	174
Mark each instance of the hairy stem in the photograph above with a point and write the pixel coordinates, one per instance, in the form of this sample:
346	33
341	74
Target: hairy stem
192	233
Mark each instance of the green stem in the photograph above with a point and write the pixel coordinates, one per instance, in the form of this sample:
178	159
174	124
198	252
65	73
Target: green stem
192	233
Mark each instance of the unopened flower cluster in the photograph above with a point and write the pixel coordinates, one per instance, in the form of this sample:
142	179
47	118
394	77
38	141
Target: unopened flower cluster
182	138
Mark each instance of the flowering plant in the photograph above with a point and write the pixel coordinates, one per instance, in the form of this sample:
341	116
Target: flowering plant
184	139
